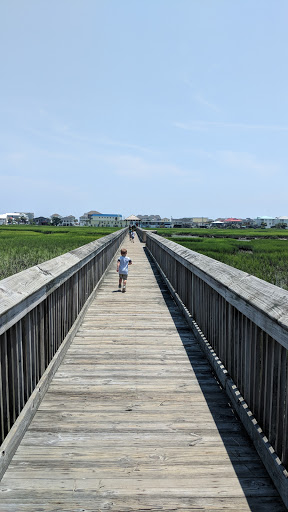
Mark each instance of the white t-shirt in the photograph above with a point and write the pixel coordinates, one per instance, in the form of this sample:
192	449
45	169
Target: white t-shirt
124	262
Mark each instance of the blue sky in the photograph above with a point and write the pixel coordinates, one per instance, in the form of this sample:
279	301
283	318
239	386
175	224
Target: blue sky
177	108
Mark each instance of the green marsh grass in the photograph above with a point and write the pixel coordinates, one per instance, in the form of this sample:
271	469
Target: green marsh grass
260	252
22	247
224	233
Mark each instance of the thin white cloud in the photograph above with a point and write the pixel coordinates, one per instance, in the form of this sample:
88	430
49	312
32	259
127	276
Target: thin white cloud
205	125
115	143
244	163
247	162
201	100
138	168
29	155
63	135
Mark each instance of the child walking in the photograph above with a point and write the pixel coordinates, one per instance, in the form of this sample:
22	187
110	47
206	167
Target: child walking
122	268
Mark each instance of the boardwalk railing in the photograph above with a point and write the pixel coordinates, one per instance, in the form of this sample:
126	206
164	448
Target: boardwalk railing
242	322
38	310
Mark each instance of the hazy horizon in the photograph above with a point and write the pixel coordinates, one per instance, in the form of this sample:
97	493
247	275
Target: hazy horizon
178	108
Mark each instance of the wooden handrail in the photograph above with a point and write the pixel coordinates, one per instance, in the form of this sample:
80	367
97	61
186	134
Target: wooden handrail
244	320
38	308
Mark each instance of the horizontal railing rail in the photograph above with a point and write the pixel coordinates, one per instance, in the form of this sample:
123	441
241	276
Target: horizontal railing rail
38	308
245	321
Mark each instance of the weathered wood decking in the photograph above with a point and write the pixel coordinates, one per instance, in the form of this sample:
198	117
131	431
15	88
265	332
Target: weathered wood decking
134	419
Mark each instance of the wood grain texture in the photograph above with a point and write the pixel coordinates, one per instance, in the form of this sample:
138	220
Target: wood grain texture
261	302
134	418
21	292
38	309
254	312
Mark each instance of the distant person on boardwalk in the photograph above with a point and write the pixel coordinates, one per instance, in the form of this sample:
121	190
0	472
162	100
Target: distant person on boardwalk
132	236
122	268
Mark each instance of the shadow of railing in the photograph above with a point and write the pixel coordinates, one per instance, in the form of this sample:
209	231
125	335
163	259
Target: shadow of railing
246	463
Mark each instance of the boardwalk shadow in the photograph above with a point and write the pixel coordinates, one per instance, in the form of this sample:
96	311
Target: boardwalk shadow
256	484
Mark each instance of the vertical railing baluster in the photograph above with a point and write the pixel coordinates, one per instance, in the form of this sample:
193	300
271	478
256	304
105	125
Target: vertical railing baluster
28	344
256	361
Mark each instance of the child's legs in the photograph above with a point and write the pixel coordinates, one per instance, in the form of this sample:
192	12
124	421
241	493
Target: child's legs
124	278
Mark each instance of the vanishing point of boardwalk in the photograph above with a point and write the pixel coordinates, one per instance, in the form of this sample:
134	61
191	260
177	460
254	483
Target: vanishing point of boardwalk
134	419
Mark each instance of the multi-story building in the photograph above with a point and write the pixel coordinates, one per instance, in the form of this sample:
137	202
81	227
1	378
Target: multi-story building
154	221
69	220
191	222
282	221
200	221
266	222
85	219
112	220
30	216
42	221
149	218
185	222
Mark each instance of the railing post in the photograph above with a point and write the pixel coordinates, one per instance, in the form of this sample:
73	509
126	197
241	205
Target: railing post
39	309
244	321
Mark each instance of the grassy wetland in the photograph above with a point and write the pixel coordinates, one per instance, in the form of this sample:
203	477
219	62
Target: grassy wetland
262	253
22	247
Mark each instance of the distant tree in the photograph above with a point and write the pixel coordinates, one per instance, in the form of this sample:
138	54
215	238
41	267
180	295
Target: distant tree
55	221
263	224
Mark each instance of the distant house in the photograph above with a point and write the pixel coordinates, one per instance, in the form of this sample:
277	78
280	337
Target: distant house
42	221
85	219
184	222
112	220
232	222
217	223
30	216
69	220
283	221
201	222
191	222
265	222
152	221
271	222
15	218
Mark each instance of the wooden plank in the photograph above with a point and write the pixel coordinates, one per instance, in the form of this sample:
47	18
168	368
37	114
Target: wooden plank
110	502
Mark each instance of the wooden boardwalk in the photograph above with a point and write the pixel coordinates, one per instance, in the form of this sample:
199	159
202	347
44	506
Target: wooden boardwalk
134	419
